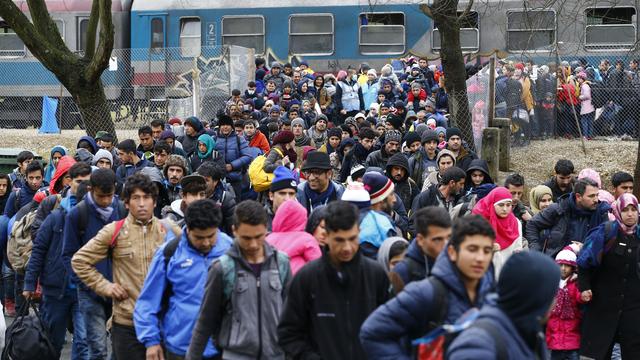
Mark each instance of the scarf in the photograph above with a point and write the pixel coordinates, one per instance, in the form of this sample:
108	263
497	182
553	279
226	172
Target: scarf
316	199
208	141
304	140
536	195
507	229
360	152
619	205
103	213
318	137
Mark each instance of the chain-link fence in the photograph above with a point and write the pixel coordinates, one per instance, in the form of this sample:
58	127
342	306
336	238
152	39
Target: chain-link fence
140	85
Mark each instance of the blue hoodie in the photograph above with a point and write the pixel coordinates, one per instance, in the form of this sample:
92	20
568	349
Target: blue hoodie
187	272
384	333
91	142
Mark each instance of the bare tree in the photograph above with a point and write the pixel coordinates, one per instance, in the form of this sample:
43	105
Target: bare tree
445	14
80	74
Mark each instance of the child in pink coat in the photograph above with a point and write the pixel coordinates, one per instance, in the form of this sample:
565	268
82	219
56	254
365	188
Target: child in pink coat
289	236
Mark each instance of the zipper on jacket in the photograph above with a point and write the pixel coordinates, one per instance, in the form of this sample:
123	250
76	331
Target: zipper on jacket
259	316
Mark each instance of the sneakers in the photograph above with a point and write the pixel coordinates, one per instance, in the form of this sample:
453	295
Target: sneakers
10	307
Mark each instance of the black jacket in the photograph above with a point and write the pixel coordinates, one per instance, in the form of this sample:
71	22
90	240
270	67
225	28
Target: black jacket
555	190
431	197
406	188
378	158
323	312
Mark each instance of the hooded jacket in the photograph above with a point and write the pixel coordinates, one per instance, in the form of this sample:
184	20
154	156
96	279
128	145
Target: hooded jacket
434	177
63	167
91	141
51	168
477	164
420	166
234	151
186	275
384	333
406	188
190	143
415	266
289	236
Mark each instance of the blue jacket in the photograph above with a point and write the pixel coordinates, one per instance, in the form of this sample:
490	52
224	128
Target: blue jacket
234	151
187	272
404	317
72	242
26	195
415	266
125	170
477	343
302	198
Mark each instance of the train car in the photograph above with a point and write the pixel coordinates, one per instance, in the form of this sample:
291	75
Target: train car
24	81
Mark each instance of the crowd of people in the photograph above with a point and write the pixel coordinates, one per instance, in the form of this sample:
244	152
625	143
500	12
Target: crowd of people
318	218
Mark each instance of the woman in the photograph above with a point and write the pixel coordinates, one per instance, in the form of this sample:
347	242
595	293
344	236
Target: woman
281	153
336	158
315	225
391	252
444	160
442	137
334	135
304	92
289	236
205	152
322	96
370	88
57	152
587	110
540	198
608	277
497	208
477	174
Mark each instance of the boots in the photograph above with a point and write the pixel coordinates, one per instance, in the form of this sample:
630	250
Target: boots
10	307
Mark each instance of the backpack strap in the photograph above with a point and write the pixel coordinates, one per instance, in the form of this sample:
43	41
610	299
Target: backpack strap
228	275
16	201
441	302
83	218
486	325
167	253
610	236
116	232
282	260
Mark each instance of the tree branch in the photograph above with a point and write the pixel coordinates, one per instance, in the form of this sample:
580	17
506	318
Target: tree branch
466	11
44	24
100	60
92	28
426	9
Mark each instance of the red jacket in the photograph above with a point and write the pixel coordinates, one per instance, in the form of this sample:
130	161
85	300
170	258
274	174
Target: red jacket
260	141
563	328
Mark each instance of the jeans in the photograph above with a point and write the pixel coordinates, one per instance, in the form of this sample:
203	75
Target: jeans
56	313
95	314
8	280
565	355
586	124
126	344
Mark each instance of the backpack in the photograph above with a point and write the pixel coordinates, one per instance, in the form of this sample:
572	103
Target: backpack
260	179
599	94
27	337
229	272
20	242
435	350
83	216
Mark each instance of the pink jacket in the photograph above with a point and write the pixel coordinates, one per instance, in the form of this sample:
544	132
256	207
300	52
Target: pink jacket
289	236
563	327
586	107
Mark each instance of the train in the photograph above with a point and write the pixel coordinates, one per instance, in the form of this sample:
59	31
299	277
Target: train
329	35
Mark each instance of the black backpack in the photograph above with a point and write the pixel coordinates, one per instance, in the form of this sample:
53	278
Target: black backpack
27	337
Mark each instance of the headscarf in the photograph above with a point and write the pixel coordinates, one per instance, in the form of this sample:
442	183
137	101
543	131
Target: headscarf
623	201
208	141
385	248
536	194
507	229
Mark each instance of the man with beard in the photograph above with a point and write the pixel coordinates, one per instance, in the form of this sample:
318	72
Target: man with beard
358	154
301	139
319	189
379	158
255	137
318	133
175	168
398	171
463	155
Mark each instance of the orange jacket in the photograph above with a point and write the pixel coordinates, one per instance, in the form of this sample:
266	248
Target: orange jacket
260	141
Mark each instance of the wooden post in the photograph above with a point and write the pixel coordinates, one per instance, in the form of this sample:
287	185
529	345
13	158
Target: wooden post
505	142
490	146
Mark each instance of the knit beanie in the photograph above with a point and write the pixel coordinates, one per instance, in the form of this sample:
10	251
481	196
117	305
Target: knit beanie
102	154
392	135
283	179
336	131
356	194
378	186
429	135
298	121
167	134
395	121
411	137
567	256
225	120
452	131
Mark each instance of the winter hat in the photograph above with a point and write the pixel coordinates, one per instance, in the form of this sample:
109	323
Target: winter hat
167	134
188	180
194	122
372	72
356	194
322	117
175	121
276	64
283	137
431	123
582	75
399	104
175	160
452	131
274	108
590	174
283	179
337	132
392	135
102	154
374	106
317	160
429	135
378	186
85	156
101	134
298	121
359	116
429	103
411	114
567	257
395	121
357	171
225	120
421	129
411	137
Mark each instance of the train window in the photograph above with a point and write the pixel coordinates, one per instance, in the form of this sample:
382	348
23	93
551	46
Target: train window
530	29
190	36
469	33
83	27
381	33
610	28
311	34
157	33
60	26
10	43
246	31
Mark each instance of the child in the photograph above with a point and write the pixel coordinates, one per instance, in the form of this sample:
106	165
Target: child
546	116
563	328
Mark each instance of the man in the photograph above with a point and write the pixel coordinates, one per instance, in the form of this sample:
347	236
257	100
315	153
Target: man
170	138
423	162
193	188
252	314
331	297
102	159
433	230
517	320
463	155
157	127
130	244
622	183
562	182
106	141
358	154
19	175
398	171
220	192
568	220
460	275
255	137
33	182
379	158
145	136
444	160
167	308
161	152
319	189
276	75
318	132
515	184
131	162
174	169
98	208
192	130
60	297
235	152
376	220
283	187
